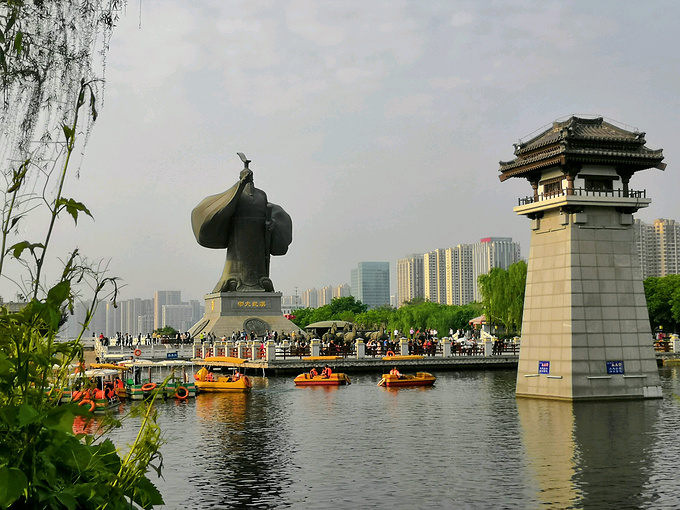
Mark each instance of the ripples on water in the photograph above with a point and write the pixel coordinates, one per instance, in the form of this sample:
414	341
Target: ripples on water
465	443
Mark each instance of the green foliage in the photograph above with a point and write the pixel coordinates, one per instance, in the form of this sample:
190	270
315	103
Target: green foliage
47	49
503	295
427	315
663	301
43	464
166	331
418	313
343	308
374	318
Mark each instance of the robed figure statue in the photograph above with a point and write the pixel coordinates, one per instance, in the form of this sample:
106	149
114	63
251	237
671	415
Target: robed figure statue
249	227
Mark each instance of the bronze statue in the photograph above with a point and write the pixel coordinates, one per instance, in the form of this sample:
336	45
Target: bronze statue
250	227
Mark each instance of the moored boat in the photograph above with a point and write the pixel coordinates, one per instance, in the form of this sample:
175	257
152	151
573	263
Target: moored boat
179	390
209	381
335	379
140	385
101	396
396	381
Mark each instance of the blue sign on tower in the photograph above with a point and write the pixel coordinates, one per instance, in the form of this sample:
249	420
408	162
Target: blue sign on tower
615	367
543	367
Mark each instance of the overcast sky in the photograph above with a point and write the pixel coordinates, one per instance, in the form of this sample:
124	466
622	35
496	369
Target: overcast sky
378	126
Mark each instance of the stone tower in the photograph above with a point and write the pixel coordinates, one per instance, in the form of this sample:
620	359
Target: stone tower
585	330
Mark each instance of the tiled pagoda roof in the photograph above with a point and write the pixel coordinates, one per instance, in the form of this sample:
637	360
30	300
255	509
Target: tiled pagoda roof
582	141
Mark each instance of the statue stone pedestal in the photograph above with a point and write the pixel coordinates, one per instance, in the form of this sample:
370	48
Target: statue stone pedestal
228	312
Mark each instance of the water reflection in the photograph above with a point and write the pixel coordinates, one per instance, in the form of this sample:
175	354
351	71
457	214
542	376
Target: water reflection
588	454
466	442
242	455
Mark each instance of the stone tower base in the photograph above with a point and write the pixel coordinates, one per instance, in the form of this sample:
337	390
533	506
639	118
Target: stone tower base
229	312
585	332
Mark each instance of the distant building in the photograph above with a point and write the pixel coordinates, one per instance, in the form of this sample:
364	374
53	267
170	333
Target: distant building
179	317
145	324
343	290
289	304
371	283
134	316
113	319
310	298
325	295
489	253
74	323
658	247
434	272
460	280
162	298
410	278
450	276
131	311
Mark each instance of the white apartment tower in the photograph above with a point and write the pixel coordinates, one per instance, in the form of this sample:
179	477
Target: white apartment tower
325	296
450	275
410	278
658	247
460	282
343	290
310	298
161	298
434	272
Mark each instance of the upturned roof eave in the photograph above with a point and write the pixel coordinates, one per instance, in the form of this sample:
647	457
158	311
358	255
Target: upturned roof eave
637	162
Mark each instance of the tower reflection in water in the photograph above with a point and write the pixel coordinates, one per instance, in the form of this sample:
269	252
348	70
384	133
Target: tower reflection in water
588	454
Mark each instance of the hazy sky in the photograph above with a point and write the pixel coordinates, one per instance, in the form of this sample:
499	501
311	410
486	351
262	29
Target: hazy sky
378	126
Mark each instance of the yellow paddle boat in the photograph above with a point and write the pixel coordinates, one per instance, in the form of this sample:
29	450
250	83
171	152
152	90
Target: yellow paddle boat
397	381
214	382
319	380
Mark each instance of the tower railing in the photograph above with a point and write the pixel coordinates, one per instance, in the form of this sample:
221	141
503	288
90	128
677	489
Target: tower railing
583	192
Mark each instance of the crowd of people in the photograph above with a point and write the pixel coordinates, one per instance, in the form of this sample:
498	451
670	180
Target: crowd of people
420	342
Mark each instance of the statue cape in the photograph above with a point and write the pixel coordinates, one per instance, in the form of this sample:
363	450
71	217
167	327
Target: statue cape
211	222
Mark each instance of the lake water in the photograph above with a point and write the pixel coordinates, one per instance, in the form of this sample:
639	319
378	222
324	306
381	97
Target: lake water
467	442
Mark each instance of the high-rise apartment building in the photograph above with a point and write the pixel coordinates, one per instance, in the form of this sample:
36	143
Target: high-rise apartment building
314	298
658	247
410	278
113	316
460	281
161	298
310	298
371	283
434	273
179	317
450	275
343	290
131	310
325	295
74	322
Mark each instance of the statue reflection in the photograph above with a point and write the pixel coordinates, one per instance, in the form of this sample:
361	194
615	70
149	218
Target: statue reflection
588	454
243	463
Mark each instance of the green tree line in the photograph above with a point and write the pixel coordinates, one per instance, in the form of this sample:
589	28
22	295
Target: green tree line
417	314
502	302
503	295
663	301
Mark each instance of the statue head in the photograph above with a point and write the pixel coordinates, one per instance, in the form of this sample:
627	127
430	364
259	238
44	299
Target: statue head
246	174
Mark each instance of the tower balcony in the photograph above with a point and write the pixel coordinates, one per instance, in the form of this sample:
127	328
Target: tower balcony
630	200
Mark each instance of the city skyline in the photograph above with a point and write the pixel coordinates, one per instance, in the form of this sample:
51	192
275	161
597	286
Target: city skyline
377	126
658	246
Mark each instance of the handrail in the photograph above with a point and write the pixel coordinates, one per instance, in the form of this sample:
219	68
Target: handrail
583	192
